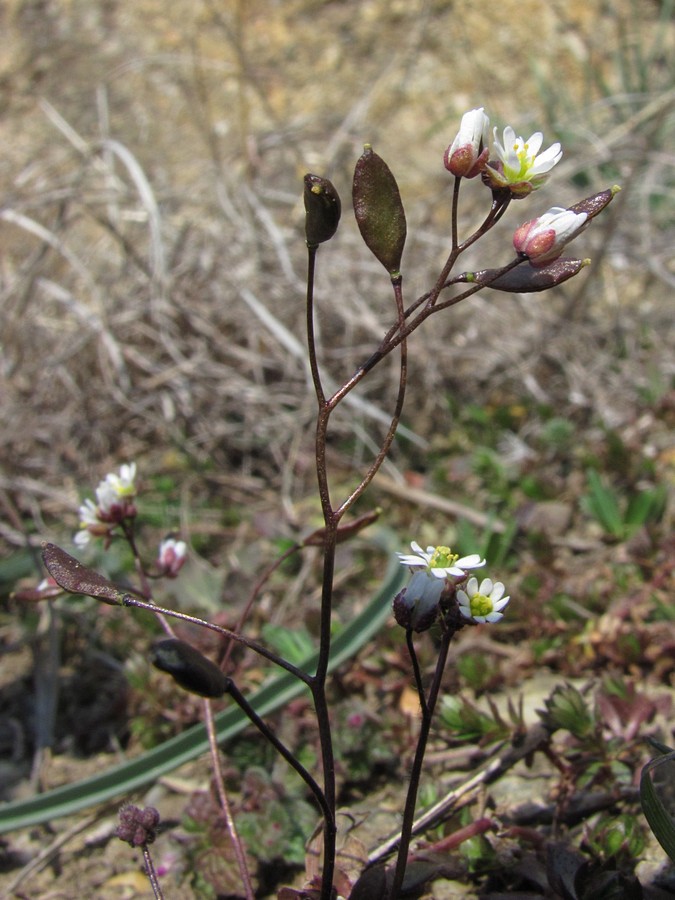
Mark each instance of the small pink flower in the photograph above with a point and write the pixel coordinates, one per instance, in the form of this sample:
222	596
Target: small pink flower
172	556
543	239
467	155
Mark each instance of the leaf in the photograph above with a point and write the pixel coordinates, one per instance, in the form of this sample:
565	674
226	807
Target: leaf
75	578
378	209
656	814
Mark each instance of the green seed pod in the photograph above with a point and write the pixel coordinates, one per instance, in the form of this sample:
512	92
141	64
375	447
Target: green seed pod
189	668
322	208
379	211
525	279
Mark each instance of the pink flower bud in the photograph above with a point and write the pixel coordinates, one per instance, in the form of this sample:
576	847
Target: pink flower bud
543	239
467	155
172	556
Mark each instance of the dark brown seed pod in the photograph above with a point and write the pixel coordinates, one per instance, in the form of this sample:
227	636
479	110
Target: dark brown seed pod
322	210
595	204
379	211
189	668
75	578
525	279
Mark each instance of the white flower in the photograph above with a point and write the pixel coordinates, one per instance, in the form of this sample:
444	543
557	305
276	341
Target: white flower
82	538
519	167
172	556
122	484
484	603
543	239
440	561
468	153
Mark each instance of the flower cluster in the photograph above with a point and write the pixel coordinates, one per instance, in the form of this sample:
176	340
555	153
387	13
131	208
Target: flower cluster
114	503
436	585
519	167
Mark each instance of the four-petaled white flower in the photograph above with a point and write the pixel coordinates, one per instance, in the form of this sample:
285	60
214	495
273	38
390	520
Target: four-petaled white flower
440	561
172	556
123	484
467	155
520	166
484	603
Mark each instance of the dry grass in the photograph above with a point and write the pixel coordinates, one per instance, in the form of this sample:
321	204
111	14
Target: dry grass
153	261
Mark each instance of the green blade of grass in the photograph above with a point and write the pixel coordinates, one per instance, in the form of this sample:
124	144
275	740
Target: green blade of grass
657	816
121	779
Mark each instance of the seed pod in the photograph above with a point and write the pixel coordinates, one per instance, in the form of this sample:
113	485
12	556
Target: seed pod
595	204
525	279
189	668
72	576
379	211
322	210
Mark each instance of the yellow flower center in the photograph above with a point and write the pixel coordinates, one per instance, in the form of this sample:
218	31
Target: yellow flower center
443	558
481	605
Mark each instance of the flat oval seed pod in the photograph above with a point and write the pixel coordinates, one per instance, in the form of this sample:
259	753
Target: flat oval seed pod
525	279
72	576
379	211
189	668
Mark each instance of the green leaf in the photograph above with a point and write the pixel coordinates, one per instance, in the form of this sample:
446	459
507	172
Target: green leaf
122	779
379	211
659	819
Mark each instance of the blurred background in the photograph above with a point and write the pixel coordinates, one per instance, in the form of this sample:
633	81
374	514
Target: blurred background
152	285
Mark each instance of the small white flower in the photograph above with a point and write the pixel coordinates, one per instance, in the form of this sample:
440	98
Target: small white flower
543	239
484	603
172	556
468	153
88	514
107	497
82	538
440	561
522	166
122	484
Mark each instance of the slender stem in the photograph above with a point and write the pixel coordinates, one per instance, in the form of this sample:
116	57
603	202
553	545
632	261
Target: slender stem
311	341
225	803
318	687
267	732
413	786
416	671
151	872
270	655
398	408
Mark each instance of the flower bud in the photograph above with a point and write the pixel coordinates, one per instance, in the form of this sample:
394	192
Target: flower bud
467	155
137	827
416	606
172	556
543	239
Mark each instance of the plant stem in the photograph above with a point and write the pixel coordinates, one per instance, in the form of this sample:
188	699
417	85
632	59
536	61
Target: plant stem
413	786
225	803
